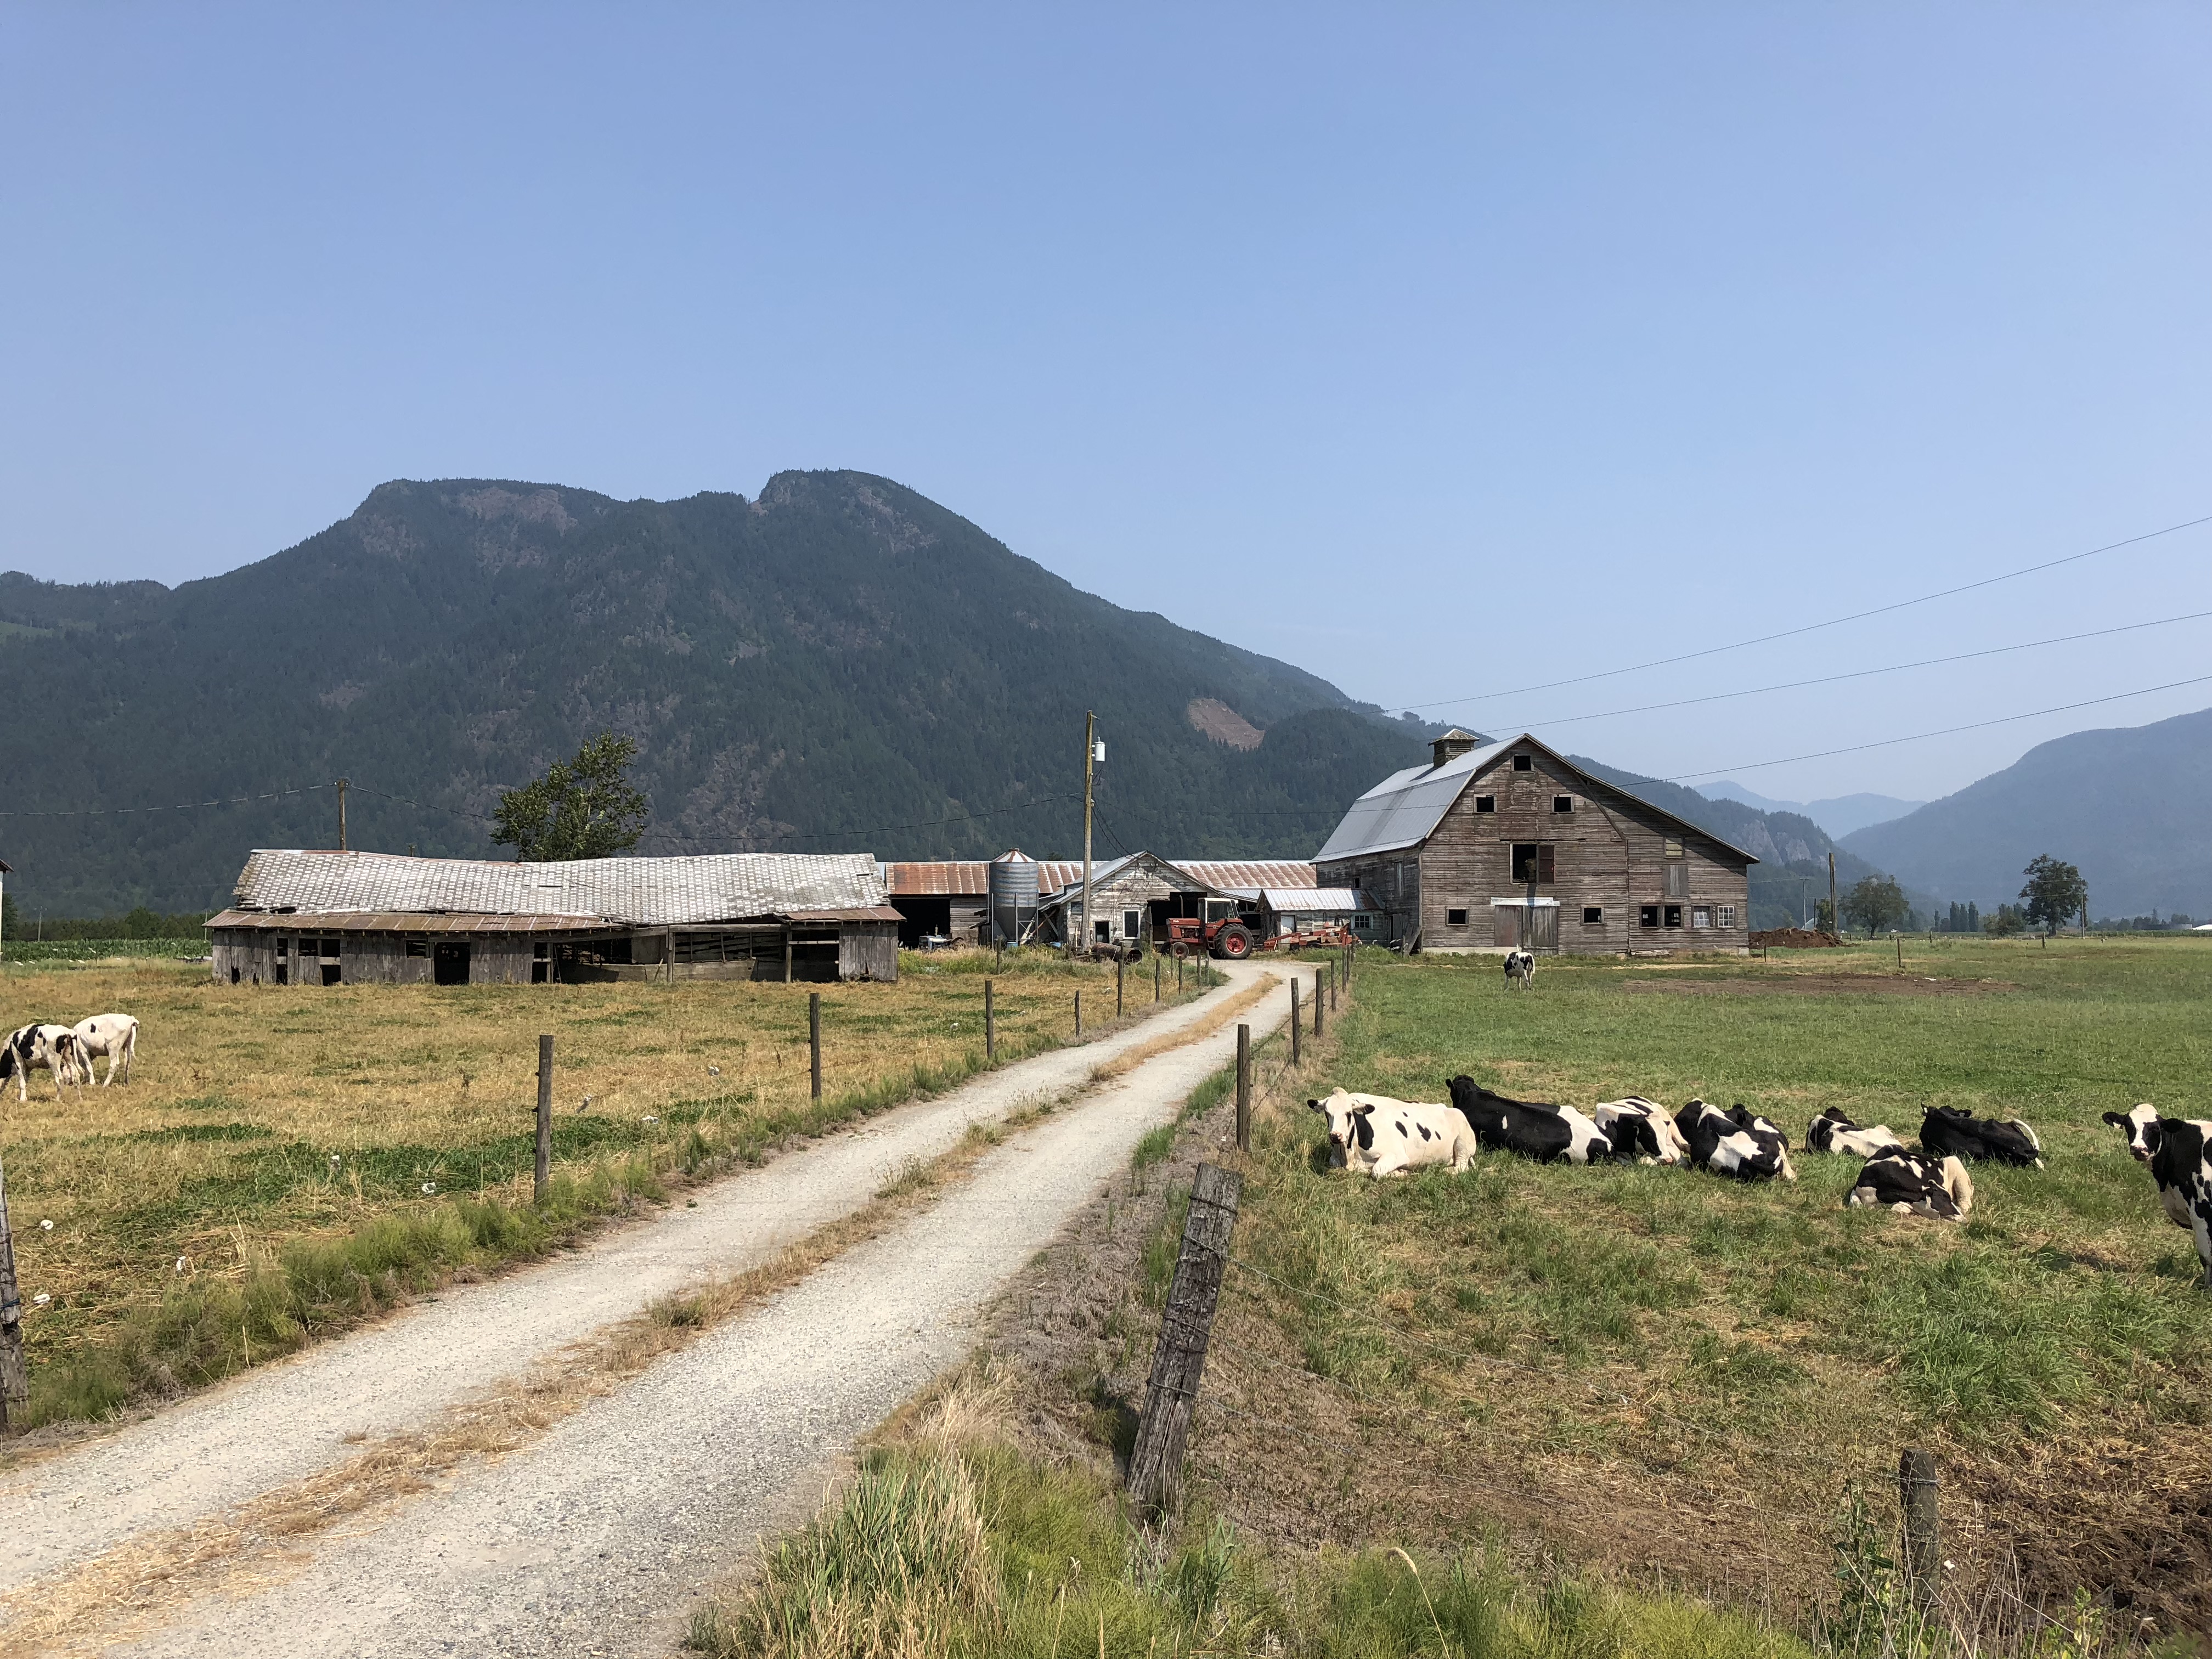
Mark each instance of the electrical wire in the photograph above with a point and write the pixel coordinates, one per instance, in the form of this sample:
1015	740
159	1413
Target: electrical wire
180	806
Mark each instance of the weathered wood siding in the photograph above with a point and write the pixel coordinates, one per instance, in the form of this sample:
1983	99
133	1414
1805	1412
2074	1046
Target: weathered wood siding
868	949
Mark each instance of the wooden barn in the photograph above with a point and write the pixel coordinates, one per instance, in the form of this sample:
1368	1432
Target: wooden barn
1497	844
949	899
1133	898
319	918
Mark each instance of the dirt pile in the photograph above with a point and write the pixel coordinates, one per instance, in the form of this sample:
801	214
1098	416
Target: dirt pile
1793	938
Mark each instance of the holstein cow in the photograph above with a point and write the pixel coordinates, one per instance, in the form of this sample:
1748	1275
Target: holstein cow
115	1035
1735	1143
1832	1132
1914	1184
1520	970
1529	1127
1388	1137
2180	1152
53	1047
1641	1129
2007	1140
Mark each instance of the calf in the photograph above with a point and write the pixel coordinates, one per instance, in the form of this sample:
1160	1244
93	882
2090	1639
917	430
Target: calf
1641	1129
1914	1184
1388	1137
1944	1132
1520	970
53	1047
1530	1127
2180	1152
1735	1143
115	1035
1832	1132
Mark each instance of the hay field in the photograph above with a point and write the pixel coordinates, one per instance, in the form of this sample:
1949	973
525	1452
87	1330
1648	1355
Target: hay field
261	1117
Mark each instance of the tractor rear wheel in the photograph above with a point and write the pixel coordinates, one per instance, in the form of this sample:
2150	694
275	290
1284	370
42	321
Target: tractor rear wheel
1233	942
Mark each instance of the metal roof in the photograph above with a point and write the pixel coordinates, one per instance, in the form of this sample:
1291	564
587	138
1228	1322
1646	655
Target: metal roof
1404	809
972	878
935	879
1287	900
1249	872
635	893
399	921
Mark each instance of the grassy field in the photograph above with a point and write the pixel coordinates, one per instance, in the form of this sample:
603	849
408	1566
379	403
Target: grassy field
1654	1367
309	1155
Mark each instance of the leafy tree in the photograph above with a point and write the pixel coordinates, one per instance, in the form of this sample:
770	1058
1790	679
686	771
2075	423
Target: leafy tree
2055	892
2004	924
1875	903
585	808
1824	916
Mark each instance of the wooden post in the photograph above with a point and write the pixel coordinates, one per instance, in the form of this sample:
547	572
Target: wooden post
1186	1327
1156	976
1316	1002
342	823
1900	951
814	1040
15	1375
544	1173
1117	987
1294	1019
1078	1015
786	953
1244	1087
1178	975
1334	975
990	1026
1917	1490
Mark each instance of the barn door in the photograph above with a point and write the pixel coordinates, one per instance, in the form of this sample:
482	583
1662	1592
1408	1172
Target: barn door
1505	925
1545	934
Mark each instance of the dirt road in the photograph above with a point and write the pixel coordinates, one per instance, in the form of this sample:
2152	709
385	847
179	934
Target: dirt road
587	1540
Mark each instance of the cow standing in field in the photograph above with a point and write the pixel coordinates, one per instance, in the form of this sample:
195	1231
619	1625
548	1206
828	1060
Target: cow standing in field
51	1047
1386	1137
2178	1151
1641	1129
1532	1128
1961	1134
1832	1132
115	1035
1914	1184
1735	1143
1520	970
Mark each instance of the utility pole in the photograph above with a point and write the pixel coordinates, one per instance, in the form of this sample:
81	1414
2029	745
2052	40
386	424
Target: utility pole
1835	920
1090	757
341	838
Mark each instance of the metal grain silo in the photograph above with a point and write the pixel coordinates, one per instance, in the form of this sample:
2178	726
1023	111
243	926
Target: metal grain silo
1013	896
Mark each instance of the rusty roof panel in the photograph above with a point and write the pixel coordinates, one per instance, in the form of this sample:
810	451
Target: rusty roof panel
1249	873
965	877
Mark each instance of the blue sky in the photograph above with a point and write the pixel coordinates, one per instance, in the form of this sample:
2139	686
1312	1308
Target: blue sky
1438	349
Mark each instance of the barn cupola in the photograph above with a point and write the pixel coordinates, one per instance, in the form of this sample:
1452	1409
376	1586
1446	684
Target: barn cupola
1450	746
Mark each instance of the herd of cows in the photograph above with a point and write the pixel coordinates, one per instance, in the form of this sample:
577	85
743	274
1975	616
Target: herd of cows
1383	1137
67	1052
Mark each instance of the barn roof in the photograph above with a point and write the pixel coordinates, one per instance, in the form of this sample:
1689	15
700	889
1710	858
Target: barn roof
971	877
1293	900
1404	809
634	892
1253	873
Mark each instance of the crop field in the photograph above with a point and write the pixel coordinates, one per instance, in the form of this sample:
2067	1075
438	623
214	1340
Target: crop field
283	1160
1660	1370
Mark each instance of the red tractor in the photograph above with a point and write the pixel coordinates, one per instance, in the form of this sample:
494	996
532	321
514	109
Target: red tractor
1222	932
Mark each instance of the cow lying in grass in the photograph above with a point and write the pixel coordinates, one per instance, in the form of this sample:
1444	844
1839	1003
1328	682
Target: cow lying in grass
1735	1143
1914	1184
1388	1137
2178	1151
1641	1129
1961	1134
1832	1132
52	1047
1529	1127
115	1035
1520	970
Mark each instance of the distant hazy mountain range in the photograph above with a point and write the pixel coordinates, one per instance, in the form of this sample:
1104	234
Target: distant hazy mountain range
2132	806
1838	816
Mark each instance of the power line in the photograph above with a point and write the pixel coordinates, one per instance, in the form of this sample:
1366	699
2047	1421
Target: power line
180	806
1812	628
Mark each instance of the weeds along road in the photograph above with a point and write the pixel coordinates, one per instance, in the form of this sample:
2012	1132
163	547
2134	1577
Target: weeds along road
589	1537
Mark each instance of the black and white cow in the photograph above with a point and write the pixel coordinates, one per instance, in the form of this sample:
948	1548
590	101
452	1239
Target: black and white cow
1914	1184
1530	1127
1947	1132
1386	1137
1735	1143
2180	1152
1832	1132
54	1048
1520	970
1641	1129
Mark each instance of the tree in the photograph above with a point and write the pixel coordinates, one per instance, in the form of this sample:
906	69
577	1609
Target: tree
1824	916
1875	903
2055	892
2004	924
585	808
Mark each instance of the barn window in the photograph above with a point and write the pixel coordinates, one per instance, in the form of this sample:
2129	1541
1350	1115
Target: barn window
1454	918
1674	847
1593	914
1728	916
1485	803
418	947
1648	916
1674	915
1524	762
1563	803
1701	917
1535	861
1132	923
541	964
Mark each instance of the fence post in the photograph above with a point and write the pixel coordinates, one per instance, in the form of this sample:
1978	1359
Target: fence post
814	1040
1917	1490
1294	1019
545	1170
1117	987
1334	975
1079	1014
15	1375
1156	975
990	1026
1186	1327
1316	1002
1178	975
1244	1087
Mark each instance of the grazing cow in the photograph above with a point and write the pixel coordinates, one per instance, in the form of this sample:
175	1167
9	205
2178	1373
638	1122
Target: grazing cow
1530	1127
2180	1152
1832	1132
1388	1137
115	1035
1735	1143
53	1047
1914	1184
2007	1140
1520	970
1641	1129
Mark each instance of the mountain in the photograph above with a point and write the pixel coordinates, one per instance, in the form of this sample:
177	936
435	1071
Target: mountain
1839	815
2132	806
839	664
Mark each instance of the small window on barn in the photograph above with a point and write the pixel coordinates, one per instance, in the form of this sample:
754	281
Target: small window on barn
1563	803
1524	762
283	946
1674	847
1674	915
1647	917
1132	923
1454	918
1726	917
418	947
1701	917
1593	915
1485	803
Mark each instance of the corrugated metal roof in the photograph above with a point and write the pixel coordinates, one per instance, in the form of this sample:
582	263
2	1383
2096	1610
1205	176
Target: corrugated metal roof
961	876
972	878
400	921
1249	872
1287	900
637	892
